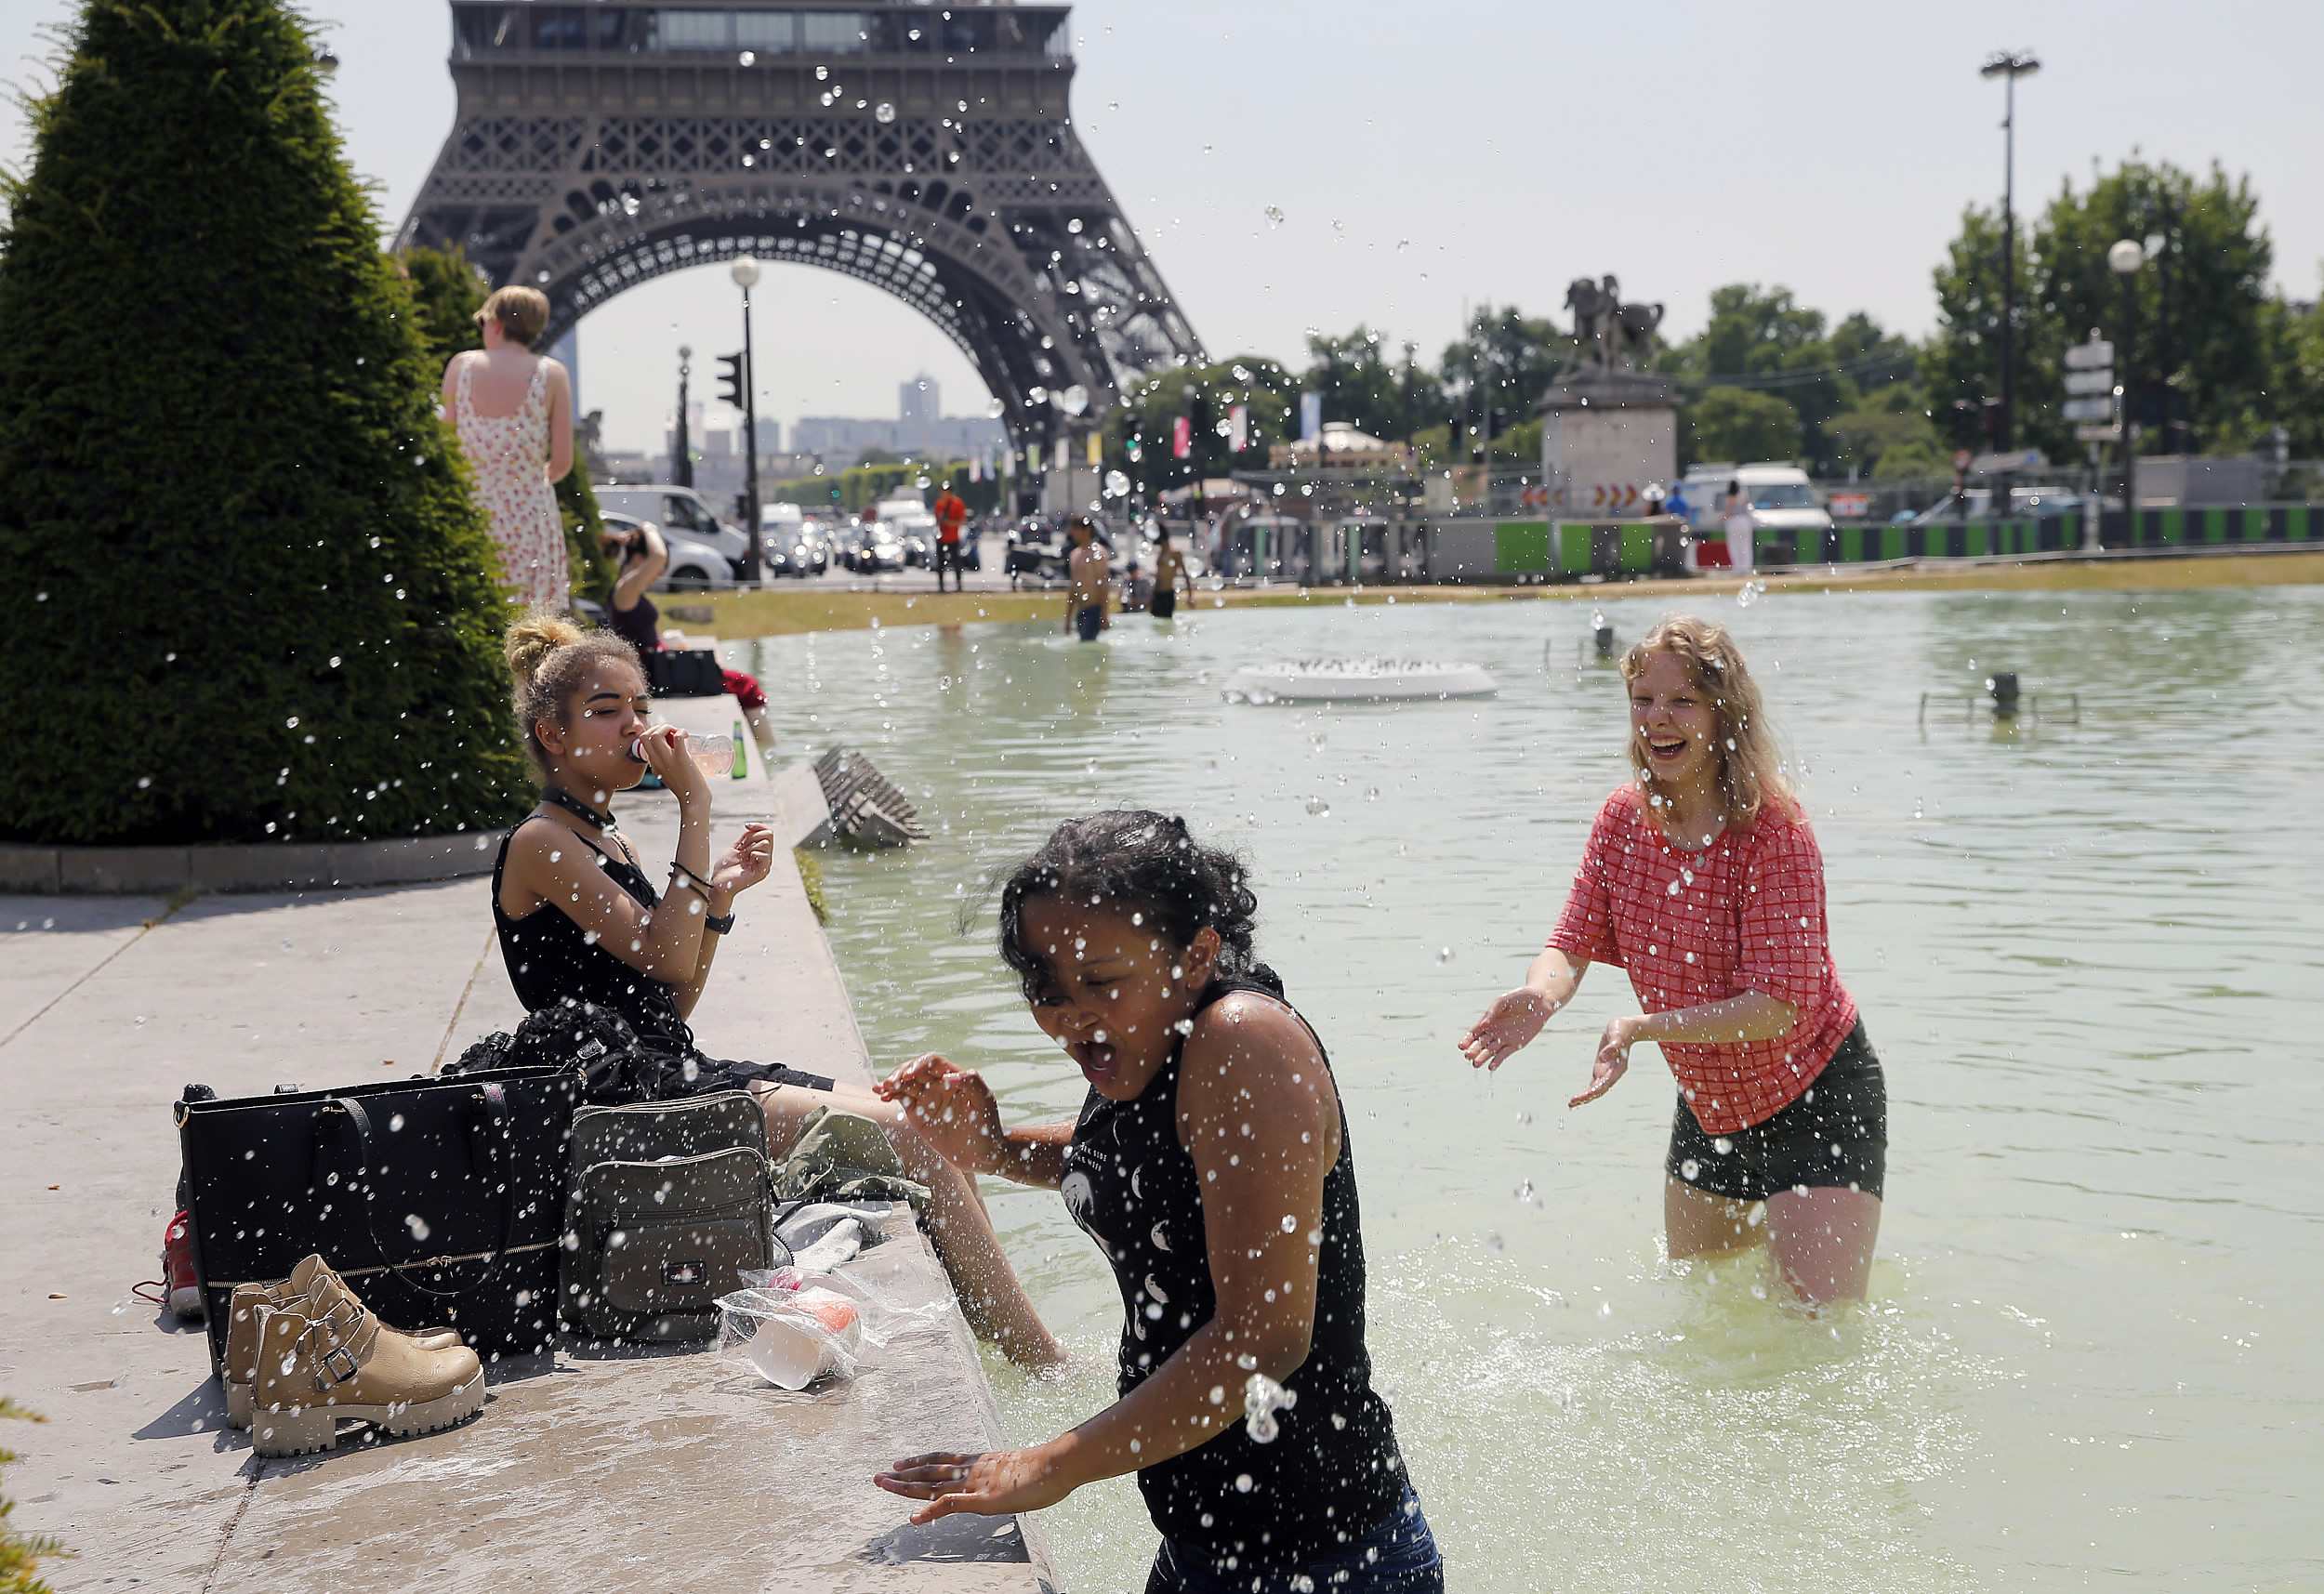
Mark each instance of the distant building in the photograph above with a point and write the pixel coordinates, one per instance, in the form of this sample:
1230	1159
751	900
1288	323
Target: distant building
840	441
917	399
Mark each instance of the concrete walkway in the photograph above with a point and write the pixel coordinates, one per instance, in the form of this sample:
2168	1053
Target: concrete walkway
663	1471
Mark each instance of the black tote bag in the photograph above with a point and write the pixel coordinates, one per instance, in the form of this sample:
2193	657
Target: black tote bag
439	1201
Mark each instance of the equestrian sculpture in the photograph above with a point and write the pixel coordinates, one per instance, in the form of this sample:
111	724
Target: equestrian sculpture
1610	336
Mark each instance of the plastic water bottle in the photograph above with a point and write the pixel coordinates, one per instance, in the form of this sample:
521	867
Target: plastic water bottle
740	771
714	755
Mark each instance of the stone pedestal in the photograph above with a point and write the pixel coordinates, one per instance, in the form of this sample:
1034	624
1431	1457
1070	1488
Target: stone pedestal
1606	436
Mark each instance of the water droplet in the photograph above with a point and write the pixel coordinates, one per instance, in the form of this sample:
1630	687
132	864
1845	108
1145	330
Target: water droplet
292	723
823	75
1275	216
748	57
995	409
883	112
1748	594
1116	484
1319	808
416	1224
1690	1169
1075	400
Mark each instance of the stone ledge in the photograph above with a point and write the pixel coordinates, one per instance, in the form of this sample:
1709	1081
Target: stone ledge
286	866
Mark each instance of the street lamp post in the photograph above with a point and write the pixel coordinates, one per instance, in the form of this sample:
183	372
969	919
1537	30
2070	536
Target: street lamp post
682	465
2123	260
745	274
2010	65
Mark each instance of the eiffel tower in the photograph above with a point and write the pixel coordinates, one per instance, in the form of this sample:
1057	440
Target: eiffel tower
929	152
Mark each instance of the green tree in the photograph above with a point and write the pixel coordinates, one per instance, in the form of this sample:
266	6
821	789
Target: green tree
449	291
1739	425
2299	384
1139	436
259	603
1357	384
1498	369
1762	339
21	1557
2198	348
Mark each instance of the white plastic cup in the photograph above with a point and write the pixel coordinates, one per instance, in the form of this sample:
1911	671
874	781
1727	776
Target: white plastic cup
791	1351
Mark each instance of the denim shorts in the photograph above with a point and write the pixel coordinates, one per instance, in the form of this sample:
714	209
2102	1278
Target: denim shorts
1836	1134
1396	1557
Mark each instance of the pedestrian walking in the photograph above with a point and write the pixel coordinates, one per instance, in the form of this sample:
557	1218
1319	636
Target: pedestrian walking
951	512
1088	588
513	411
1736	516
1170	573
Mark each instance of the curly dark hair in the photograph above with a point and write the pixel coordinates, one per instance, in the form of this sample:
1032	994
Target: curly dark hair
1140	861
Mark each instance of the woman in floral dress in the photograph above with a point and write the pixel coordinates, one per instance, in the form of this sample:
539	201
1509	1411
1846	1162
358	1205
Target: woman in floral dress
513	410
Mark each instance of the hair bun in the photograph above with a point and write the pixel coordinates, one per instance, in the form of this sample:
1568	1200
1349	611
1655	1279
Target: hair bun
533	638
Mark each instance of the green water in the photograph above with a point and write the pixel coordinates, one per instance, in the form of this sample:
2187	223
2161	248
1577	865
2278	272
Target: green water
2087	951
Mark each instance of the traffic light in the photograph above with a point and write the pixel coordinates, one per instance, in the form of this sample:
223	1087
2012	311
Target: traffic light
731	385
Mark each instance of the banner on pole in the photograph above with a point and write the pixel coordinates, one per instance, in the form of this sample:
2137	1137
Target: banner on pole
1097	448
1238	427
1311	416
1181	437
1060	452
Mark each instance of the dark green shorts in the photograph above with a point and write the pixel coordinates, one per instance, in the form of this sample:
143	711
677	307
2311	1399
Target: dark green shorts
1835	1135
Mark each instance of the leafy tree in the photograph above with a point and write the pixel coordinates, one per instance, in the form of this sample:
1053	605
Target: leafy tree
2199	347
1497	371
1739	425
262	605
1867	433
1762	339
450	290
1359	386
21	1557
1139	436
2298	388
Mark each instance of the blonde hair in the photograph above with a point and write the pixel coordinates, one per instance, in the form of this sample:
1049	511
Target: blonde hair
1750	775
521	312
550	658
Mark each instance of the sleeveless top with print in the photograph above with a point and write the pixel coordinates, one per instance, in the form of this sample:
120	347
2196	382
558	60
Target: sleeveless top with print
508	457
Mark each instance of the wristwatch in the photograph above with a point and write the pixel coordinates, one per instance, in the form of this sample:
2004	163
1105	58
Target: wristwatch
719	924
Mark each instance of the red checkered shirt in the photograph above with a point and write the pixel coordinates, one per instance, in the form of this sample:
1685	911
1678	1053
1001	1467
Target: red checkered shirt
1745	914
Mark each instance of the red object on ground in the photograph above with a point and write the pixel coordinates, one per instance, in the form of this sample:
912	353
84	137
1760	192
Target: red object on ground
181	1286
1711	553
743	689
1745	914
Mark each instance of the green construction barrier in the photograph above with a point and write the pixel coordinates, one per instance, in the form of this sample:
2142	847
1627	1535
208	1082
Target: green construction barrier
2173	529
2252	526
2214	525
1851	544
1638	550
1573	550
1520	547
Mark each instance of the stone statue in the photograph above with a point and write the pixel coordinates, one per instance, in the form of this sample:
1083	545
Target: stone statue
1611	336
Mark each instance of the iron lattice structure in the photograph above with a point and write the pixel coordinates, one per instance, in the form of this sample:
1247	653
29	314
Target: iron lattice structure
929	153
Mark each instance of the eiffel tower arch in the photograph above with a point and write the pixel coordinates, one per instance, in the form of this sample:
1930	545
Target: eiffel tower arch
928	152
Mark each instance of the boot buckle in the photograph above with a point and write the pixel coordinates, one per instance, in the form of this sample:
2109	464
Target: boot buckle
332	1359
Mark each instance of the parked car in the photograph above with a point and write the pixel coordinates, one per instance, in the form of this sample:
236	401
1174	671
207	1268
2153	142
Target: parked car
788	549
1977	504
872	547
814	541
694	565
1037	549
681	512
912	525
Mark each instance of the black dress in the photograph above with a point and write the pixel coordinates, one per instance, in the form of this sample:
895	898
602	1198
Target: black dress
1333	1472
550	958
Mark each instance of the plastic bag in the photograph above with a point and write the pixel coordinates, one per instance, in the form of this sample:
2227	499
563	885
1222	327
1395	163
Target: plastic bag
796	1324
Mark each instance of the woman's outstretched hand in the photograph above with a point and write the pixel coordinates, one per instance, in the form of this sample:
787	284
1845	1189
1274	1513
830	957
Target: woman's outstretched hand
746	862
950	1105
989	1482
1612	1061
1508	1024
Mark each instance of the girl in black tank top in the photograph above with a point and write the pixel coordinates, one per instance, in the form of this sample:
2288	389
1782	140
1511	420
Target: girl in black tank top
1212	1162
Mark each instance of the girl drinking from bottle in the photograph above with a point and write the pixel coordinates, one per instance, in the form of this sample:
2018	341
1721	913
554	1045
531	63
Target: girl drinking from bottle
1211	1164
1702	880
578	917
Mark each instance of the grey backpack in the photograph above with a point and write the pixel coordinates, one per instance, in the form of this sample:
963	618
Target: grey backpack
668	1204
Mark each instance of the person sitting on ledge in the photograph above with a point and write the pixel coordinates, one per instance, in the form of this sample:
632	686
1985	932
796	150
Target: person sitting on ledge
579	918
631	615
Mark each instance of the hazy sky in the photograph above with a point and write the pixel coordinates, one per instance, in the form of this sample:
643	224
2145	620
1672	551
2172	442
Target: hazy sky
1484	149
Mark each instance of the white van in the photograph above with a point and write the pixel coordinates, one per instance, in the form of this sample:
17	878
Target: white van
1784	503
680	510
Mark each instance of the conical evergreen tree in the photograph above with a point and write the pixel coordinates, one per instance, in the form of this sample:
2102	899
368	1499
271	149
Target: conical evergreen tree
252	599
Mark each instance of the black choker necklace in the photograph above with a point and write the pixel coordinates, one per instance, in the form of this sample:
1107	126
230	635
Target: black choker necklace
579	810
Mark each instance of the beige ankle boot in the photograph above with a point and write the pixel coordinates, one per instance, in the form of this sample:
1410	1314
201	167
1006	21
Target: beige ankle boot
315	1283
314	1372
